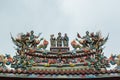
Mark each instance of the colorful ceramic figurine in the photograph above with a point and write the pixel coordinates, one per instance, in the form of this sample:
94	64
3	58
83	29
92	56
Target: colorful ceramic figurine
59	40
52	40
65	40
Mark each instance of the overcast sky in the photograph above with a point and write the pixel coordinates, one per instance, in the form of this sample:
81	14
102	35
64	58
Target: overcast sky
66	16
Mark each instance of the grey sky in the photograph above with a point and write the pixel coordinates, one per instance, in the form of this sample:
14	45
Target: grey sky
66	16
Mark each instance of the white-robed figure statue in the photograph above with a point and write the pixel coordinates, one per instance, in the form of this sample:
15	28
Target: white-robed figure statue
52	40
59	40
65	40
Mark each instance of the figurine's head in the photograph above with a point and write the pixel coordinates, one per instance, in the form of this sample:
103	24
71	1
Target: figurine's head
59	34
32	32
65	34
27	34
45	42
87	32
7	55
92	34
52	35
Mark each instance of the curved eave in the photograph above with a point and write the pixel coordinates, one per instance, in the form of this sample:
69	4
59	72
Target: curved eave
57	72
